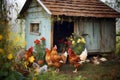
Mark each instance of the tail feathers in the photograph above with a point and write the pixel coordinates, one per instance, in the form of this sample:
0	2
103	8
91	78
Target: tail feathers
61	61
64	56
83	55
80	62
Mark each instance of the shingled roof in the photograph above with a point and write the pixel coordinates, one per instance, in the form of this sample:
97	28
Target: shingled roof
84	8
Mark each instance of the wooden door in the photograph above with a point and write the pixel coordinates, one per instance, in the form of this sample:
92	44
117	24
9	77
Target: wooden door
93	38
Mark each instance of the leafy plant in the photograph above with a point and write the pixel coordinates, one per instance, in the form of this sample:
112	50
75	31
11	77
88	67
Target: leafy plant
77	43
40	48
7	63
118	44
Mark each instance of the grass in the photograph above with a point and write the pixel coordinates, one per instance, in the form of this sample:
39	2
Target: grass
109	70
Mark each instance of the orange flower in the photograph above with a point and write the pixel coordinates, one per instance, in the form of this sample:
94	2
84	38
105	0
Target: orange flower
37	41
43	39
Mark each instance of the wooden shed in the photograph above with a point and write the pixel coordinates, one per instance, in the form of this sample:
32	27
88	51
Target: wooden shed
58	19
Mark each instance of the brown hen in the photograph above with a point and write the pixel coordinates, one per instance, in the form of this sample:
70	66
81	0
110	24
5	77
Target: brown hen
58	60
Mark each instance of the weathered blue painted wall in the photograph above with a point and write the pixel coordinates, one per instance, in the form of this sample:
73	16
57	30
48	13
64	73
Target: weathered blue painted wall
38	15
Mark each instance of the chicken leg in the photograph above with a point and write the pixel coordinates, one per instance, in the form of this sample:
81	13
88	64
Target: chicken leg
57	70
75	71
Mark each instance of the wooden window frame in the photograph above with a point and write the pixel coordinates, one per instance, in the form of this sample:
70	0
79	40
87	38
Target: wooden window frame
34	28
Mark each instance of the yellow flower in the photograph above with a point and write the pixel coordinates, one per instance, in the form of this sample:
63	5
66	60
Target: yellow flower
73	42
31	59
71	38
83	40
1	37
25	64
78	41
36	71
10	56
1	51
17	39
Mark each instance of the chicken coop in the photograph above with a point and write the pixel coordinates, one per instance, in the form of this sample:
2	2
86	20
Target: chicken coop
58	19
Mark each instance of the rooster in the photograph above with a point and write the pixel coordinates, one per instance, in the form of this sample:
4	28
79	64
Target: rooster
58	60
77	60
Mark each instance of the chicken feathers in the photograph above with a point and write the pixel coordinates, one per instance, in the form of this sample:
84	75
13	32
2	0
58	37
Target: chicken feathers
54	59
76	60
48	57
83	55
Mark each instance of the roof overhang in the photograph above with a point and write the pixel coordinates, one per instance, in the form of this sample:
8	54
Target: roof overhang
44	7
75	8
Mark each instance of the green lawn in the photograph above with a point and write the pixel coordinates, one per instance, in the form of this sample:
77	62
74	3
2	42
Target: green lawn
109	70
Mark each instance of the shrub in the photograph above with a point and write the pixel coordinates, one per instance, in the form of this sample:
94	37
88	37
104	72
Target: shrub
117	45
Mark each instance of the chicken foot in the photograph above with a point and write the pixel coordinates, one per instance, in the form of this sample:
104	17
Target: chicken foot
75	71
57	70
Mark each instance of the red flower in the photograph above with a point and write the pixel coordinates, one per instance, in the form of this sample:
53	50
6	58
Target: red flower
66	42
61	41
69	43
37	41
43	39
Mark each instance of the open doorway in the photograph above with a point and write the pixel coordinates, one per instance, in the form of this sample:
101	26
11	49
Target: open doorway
61	32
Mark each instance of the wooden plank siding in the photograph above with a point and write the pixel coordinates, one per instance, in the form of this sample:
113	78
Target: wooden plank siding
108	35
101	34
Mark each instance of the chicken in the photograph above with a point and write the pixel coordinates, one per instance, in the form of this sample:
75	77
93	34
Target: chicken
64	56
58	60
77	60
39	69
48	57
28	53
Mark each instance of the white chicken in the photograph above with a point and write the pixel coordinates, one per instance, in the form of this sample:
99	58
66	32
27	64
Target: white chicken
39	69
